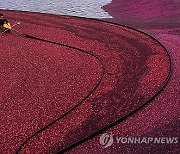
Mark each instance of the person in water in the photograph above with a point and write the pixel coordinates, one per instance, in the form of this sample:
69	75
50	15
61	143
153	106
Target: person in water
5	26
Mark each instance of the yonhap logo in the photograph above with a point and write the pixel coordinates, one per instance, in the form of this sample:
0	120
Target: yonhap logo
106	140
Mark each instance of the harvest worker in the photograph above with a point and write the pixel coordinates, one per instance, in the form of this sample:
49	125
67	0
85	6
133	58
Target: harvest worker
5	26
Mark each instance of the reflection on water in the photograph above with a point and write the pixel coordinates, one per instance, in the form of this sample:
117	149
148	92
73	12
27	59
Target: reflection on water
83	8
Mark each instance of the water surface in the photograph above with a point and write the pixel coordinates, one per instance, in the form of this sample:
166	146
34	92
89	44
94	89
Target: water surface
83	8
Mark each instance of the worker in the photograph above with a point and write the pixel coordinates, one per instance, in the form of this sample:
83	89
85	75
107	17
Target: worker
5	26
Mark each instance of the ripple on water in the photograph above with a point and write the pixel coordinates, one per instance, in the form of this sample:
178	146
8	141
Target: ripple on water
83	8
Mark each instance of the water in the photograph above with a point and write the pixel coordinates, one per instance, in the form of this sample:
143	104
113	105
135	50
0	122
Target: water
82	8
